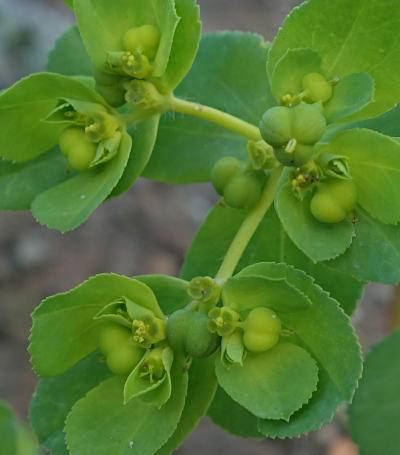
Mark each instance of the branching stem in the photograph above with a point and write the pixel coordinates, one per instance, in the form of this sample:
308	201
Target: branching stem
248	228
221	118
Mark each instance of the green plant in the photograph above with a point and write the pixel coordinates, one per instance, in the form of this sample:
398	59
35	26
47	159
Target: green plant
306	157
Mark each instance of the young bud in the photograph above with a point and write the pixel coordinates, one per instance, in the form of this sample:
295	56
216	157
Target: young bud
152	366
204	289
335	166
261	155
144	95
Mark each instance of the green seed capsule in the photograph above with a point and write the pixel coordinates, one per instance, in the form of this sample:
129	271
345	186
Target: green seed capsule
122	360
112	336
144	39
242	191
334	200
276	126
75	145
223	170
187	332
301	155
317	88
293	131
261	330
308	123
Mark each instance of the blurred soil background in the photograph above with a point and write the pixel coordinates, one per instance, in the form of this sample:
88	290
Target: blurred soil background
146	230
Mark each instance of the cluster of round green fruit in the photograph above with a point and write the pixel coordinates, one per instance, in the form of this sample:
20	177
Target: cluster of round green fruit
261	328
187	332
334	200
238	182
140	46
121	353
293	132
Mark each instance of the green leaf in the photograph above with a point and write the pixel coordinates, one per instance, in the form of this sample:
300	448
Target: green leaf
374	161
20	183
351	36
70	3
99	423
102	25
67	205
185	44
187	147
23	108
350	95
69	56
64	330
387	123
290	70
201	390
155	393
319	241
269	243
54	398
171	293
264	384
326	333
144	135
232	417
375	253
8	430
375	411
243	293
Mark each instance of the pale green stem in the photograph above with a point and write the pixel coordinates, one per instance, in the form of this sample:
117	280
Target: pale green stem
248	228
215	116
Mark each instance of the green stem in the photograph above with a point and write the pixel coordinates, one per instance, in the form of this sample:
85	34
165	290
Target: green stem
248	228
215	116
